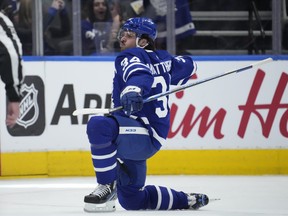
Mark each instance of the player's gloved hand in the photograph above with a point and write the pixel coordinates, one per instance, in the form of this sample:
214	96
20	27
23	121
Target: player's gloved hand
131	100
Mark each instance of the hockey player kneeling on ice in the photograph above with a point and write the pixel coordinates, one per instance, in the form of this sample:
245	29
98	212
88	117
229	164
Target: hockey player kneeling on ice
123	141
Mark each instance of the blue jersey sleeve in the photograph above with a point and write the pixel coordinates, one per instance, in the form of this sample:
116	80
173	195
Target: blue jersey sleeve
183	67
132	70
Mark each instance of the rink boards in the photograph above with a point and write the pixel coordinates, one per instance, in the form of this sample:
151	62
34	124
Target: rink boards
234	125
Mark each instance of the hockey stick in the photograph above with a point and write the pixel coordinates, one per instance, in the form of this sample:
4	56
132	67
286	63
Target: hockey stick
88	111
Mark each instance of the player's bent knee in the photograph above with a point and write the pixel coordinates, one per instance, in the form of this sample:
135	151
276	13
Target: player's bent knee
101	129
131	197
130	204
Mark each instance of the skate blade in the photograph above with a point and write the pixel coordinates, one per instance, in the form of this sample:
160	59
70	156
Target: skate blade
104	207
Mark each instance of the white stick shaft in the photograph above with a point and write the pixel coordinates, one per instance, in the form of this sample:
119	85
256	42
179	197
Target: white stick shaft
265	61
88	111
95	111
188	85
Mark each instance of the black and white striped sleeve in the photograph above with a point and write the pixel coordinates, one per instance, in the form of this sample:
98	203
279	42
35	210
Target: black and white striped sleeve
10	59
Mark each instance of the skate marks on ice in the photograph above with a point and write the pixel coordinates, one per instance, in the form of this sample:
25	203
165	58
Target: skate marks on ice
239	195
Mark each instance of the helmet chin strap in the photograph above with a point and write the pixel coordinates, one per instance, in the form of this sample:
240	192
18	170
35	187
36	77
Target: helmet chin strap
137	43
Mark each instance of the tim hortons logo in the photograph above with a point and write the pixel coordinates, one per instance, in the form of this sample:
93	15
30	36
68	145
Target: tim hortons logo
271	108
29	109
250	108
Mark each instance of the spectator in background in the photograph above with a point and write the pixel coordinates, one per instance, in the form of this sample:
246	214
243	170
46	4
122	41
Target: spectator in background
100	27
10	62
184	27
130	8
115	11
53	34
23	25
57	27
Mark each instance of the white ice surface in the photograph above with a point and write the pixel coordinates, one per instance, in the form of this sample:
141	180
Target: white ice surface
240	195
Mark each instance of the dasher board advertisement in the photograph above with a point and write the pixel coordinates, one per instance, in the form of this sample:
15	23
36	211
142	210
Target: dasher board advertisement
243	111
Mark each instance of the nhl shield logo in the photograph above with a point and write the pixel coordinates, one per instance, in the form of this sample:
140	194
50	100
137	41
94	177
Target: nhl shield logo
29	109
31	120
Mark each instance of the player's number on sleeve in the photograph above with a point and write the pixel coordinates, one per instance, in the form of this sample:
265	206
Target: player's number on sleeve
125	62
161	111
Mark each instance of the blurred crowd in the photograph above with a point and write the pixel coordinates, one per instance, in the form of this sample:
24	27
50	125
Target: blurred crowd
100	22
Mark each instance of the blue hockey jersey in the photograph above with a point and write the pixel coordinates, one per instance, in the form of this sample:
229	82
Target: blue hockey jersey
153	72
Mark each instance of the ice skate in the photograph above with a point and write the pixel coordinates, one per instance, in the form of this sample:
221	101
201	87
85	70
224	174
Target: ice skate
102	199
196	201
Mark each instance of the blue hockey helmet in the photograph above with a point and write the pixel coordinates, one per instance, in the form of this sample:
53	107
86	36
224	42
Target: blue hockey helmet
141	25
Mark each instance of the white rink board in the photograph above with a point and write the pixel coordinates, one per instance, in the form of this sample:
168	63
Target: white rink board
219	98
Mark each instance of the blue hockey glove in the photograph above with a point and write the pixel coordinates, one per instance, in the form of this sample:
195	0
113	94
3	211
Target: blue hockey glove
131	100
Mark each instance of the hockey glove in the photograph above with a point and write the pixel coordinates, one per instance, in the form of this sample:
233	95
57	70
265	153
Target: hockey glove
131	100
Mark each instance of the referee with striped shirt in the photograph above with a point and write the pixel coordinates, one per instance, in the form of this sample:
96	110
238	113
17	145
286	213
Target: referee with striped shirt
10	62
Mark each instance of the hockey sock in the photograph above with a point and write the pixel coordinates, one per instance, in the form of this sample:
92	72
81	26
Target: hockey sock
163	198
105	163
